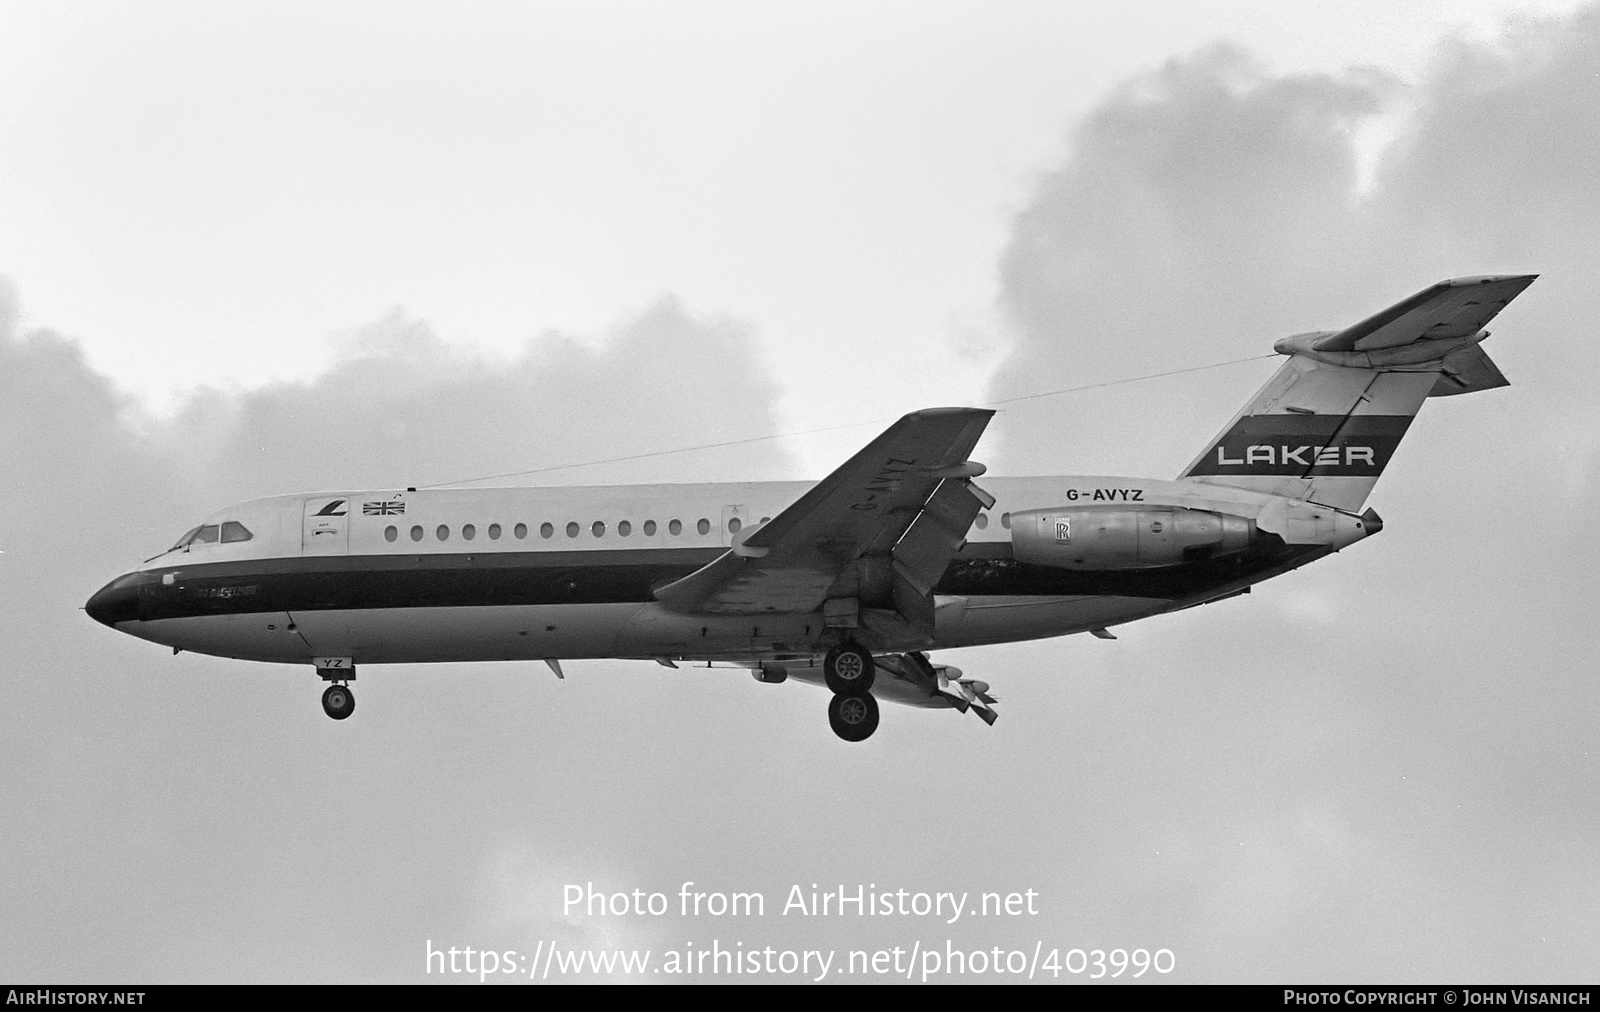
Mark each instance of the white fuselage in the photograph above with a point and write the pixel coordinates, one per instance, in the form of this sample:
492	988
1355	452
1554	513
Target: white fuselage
531	573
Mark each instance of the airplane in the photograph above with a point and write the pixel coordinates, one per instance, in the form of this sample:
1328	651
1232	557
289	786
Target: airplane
848	583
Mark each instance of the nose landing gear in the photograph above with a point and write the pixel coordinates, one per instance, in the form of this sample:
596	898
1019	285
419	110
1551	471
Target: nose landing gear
338	701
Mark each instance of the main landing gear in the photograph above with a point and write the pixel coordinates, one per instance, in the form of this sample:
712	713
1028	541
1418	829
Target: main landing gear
338	700
853	712
848	670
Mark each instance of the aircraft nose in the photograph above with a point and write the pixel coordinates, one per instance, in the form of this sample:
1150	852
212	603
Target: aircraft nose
117	601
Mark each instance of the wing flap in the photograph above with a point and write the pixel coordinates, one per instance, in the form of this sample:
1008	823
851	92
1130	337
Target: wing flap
937	533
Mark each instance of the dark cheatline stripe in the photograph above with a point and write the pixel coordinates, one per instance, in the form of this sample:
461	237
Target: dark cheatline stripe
1289	445
418	581
610	577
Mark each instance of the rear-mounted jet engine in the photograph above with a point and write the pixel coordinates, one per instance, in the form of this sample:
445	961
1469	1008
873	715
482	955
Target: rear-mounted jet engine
1098	537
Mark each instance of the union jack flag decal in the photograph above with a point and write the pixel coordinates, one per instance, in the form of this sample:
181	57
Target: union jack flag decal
383	509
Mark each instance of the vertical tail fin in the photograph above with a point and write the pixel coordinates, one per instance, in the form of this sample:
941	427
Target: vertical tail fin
1325	425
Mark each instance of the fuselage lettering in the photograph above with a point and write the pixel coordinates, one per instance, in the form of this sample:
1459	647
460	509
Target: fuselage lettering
1106	495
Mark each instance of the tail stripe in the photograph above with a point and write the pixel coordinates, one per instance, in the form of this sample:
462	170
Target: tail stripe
1305	446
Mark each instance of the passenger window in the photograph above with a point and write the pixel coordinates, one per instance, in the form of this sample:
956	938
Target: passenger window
734	525
649	528
624	528
469	532
572	529
389	534
765	519
1005	520
547	530
233	530
521	531
704	526
443	533
494	532
983	521
675	528
599	529
416	534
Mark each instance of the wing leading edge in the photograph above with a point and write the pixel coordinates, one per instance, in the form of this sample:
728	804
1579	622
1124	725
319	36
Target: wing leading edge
901	506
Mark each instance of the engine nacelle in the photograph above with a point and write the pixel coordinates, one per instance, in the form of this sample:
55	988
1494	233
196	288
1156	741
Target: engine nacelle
1099	537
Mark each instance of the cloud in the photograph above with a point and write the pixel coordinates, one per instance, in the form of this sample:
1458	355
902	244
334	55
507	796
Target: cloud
168	821
1426	727
403	408
1396	790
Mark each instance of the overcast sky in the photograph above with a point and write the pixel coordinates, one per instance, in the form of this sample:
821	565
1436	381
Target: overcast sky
260	249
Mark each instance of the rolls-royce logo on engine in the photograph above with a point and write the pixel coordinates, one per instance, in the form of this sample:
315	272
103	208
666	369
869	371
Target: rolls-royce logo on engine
1064	529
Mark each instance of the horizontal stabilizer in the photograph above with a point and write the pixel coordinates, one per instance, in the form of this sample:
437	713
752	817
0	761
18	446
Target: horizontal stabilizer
1459	307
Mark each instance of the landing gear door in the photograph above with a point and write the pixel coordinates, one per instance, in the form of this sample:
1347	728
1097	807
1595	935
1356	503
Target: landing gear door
326	530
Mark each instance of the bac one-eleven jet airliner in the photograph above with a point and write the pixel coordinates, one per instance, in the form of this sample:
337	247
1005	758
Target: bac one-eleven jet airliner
848	582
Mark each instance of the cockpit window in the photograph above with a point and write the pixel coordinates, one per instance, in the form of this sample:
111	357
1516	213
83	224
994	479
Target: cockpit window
205	535
187	537
226	532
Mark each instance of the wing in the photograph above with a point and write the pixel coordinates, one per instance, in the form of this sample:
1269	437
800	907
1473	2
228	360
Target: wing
1455	308
905	497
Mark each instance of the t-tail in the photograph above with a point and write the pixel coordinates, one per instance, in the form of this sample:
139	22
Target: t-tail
1326	424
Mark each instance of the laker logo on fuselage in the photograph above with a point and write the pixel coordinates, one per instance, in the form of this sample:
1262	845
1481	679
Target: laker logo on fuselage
1306	445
